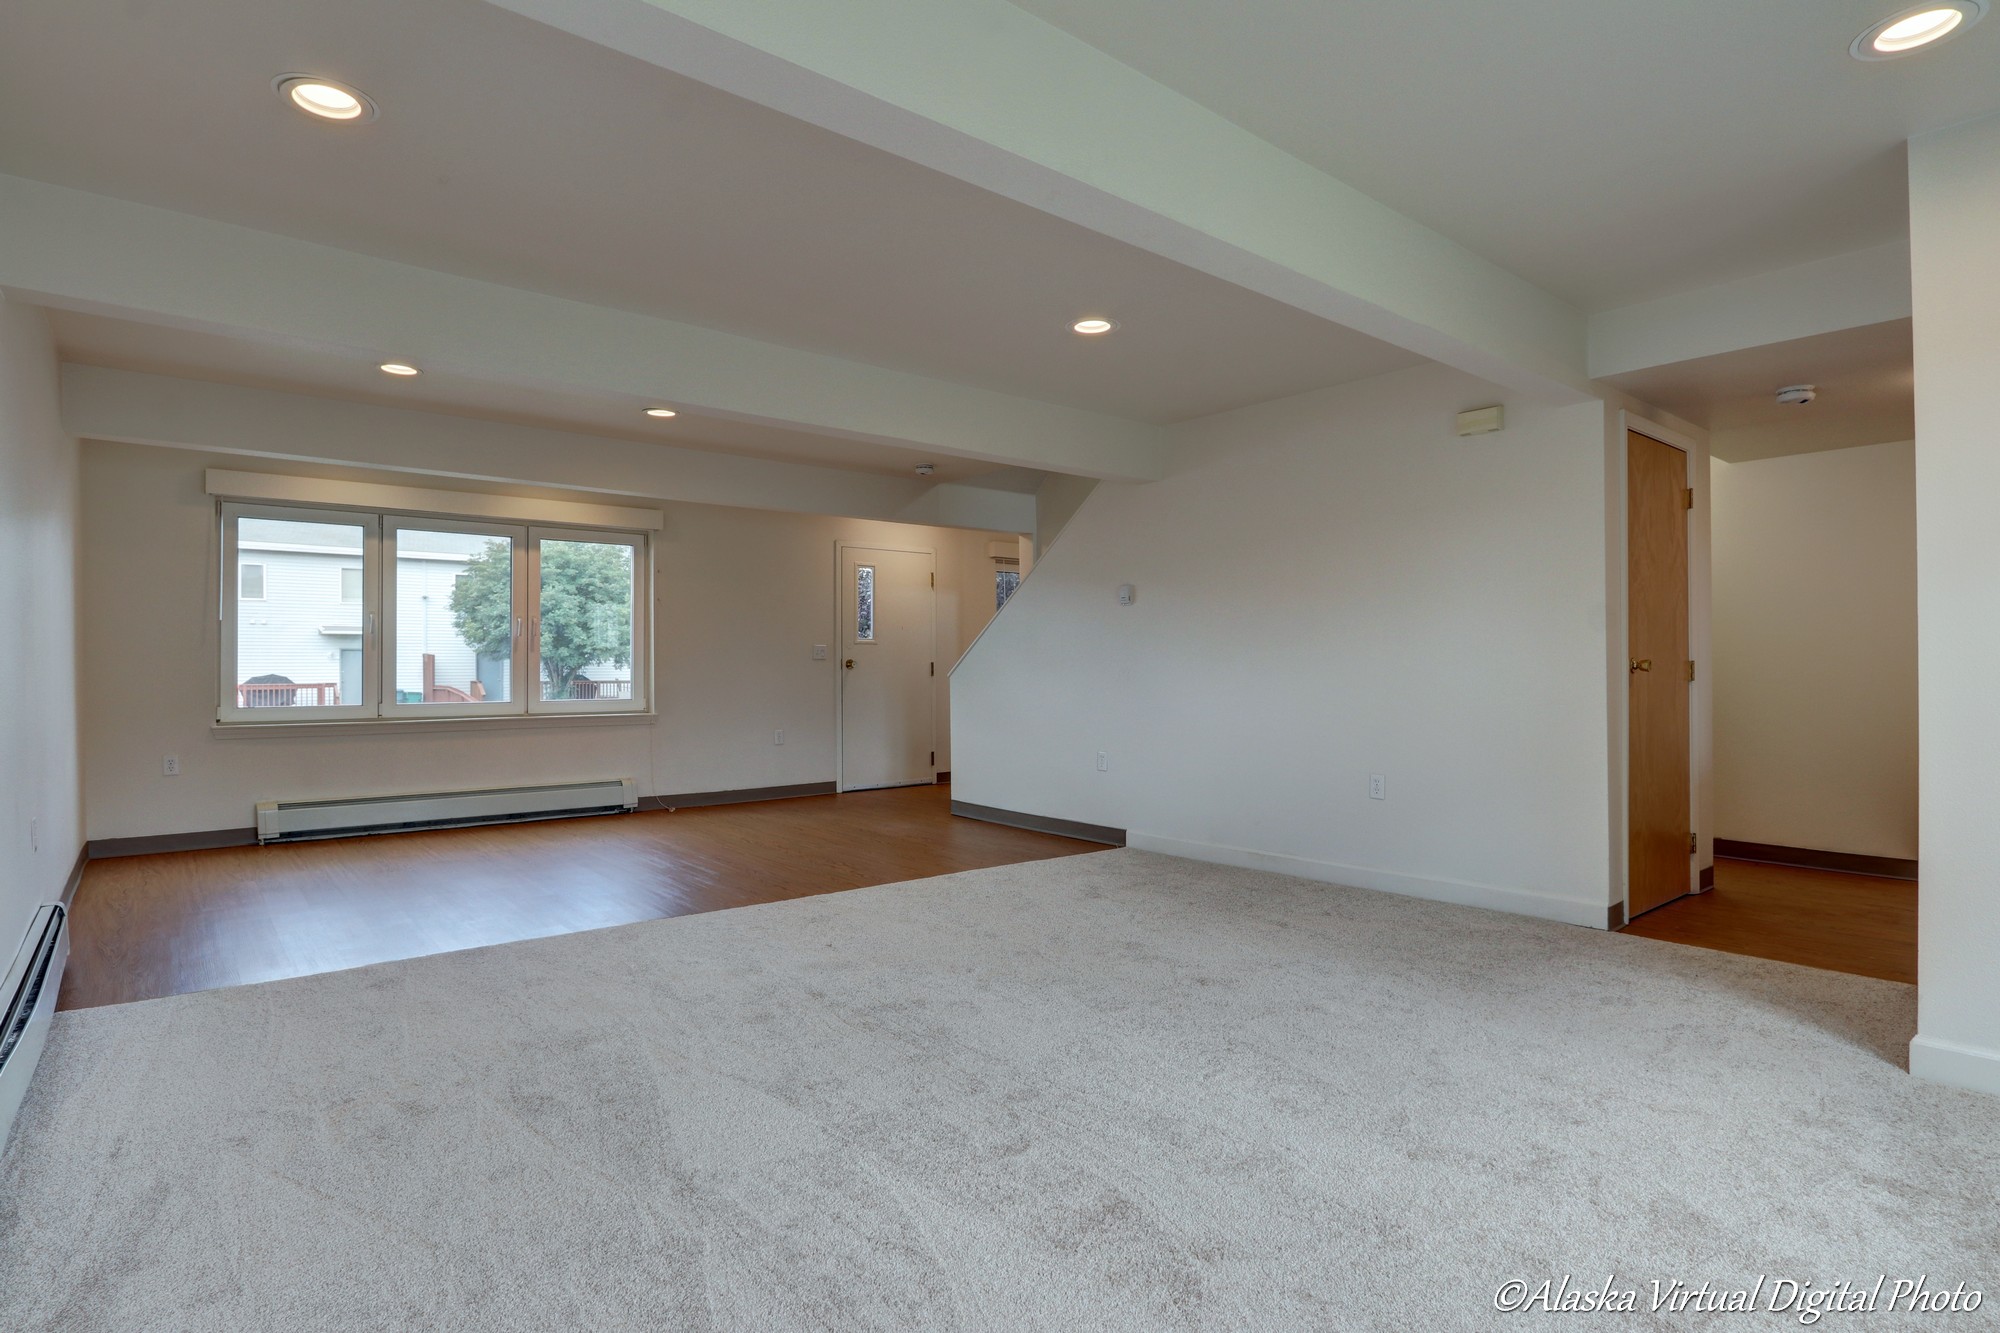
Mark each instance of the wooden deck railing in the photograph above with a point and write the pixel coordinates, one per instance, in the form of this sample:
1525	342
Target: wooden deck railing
593	689
322	694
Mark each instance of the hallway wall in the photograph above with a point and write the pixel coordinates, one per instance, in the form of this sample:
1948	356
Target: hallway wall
1816	650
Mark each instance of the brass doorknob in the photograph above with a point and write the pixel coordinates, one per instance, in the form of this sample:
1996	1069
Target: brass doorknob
849	664
1638	664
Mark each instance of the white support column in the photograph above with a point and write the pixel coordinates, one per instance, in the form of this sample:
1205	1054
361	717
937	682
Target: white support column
1955	267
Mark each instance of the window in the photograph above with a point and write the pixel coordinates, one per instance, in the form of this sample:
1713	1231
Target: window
453	614
289	645
585	625
1004	583
864	603
381	615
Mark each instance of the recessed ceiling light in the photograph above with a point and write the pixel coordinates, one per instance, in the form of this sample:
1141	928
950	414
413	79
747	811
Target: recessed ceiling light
1092	328
324	98
1914	29
661	412
398	368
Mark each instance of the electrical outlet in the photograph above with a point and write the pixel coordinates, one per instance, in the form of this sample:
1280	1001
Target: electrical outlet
170	766
1378	787
1103	761
778	736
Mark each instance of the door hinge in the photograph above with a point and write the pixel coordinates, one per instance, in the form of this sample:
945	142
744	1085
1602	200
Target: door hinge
933	758
934	580
1690	671
1690	497
934	668
1693	845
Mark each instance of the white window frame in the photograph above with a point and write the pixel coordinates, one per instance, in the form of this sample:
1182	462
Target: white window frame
517	537
378	568
227	709
642	635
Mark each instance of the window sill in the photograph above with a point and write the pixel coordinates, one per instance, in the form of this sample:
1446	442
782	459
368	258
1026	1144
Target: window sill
399	726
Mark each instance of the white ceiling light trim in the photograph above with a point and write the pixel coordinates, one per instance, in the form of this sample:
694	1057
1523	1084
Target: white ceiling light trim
402	368
1918	29
1094	327
325	99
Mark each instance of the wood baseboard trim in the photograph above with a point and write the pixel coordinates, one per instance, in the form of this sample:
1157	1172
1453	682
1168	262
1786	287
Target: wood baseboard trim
1707	878
1614	917
101	849
1067	828
944	777
739	796
1848	863
75	876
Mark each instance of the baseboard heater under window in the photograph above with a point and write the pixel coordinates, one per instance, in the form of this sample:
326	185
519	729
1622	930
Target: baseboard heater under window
28	1004
294	821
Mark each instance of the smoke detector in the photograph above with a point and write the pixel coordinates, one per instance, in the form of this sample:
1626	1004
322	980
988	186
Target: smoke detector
925	469
1797	395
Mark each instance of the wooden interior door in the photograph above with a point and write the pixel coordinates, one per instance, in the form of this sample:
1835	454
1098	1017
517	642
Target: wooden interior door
1661	816
888	734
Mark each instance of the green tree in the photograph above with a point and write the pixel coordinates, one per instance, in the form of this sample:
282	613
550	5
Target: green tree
586	607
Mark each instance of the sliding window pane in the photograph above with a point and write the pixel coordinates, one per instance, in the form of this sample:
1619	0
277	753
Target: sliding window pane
586	616
298	640
454	623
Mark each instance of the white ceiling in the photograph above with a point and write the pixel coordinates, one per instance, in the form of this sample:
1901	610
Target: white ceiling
1866	394
127	345
511	152
1609	150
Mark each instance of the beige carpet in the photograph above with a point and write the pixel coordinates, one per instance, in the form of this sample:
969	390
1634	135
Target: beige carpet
1115	1091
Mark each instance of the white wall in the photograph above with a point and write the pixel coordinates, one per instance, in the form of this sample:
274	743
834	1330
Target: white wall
38	725
1328	587
1056	501
742	595
1955	269
1816	650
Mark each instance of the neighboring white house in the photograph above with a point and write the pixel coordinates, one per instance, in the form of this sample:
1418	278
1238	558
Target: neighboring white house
299	609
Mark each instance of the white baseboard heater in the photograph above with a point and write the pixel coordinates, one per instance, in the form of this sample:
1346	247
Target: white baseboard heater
293	821
27	1006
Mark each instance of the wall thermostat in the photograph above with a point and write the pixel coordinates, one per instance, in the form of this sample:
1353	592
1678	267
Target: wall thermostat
1482	420
1126	594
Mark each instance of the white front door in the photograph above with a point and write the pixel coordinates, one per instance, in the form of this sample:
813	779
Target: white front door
888	654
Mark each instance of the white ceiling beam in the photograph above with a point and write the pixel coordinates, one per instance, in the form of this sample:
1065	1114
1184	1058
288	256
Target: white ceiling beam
90	253
985	92
1847	291
133	408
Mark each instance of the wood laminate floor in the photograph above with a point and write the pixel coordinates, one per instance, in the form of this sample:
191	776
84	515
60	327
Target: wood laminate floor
1821	918
148	926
